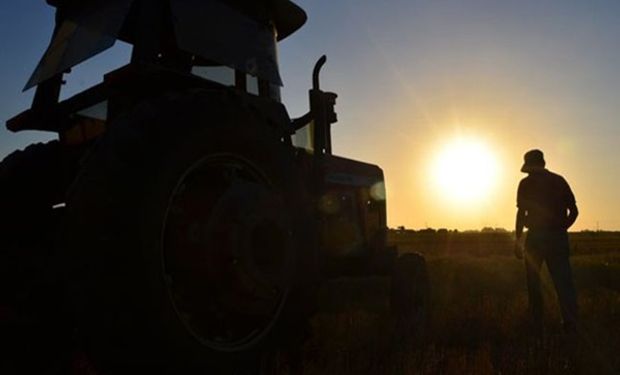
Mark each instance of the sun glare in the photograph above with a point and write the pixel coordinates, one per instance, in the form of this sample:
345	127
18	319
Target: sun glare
465	171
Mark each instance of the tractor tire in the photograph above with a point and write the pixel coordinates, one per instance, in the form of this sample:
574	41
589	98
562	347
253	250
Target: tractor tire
409	294
32	324
31	182
25	213
187	237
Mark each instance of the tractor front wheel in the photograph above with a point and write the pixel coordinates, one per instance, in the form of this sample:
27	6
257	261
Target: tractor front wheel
409	294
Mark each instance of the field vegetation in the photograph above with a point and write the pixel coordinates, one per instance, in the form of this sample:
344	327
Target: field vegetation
478	313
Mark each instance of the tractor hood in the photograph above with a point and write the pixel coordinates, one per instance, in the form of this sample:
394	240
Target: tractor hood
241	34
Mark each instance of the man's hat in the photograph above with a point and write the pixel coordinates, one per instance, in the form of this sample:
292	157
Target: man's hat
534	161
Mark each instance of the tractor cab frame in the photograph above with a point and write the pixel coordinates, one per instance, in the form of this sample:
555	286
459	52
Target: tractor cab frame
169	39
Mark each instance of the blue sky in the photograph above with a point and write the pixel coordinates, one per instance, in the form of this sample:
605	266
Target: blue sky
412	74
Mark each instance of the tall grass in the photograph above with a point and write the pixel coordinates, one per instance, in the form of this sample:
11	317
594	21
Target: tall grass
478	323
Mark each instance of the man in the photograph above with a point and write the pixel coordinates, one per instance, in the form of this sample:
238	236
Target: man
546	206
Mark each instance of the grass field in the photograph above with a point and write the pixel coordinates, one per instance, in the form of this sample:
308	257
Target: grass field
478	315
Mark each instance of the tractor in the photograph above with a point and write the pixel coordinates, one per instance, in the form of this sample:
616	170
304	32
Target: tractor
181	222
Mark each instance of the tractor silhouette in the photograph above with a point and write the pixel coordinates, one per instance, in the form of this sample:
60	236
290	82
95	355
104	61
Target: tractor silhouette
182	221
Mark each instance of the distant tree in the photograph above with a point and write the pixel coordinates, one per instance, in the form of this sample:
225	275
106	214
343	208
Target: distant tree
493	230
428	230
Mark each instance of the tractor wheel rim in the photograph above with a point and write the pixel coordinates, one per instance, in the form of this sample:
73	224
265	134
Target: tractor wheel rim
226	252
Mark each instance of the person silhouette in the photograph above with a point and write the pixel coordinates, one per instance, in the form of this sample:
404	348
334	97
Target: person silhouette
546	207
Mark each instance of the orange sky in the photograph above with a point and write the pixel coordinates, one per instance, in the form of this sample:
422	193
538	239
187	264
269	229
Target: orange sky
413	75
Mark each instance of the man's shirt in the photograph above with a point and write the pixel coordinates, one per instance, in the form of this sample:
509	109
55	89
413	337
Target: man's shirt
546	197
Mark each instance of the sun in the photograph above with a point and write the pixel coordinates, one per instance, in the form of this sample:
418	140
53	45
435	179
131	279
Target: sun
464	171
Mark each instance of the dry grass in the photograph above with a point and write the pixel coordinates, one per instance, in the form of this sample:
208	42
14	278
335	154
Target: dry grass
477	323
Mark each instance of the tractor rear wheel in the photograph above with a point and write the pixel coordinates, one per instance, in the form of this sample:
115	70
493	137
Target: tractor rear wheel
409	294
185	234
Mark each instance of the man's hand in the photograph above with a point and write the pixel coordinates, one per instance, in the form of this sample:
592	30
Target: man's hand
518	250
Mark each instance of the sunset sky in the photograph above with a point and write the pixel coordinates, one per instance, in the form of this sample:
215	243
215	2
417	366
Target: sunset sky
416	77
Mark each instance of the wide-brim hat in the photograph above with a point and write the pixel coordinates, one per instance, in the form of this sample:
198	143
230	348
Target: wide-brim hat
534	160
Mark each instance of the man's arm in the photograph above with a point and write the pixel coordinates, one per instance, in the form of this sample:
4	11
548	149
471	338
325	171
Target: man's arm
519	223
573	212
520	220
521	204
